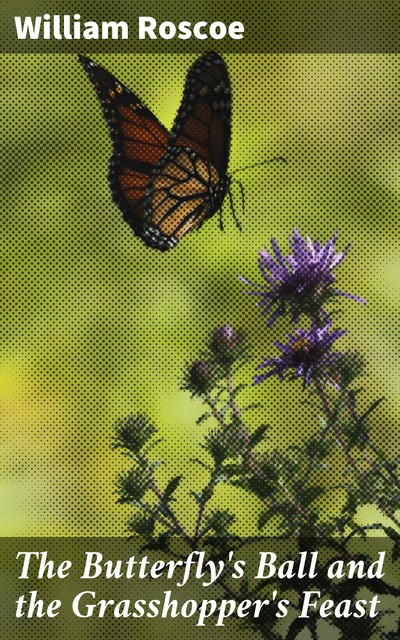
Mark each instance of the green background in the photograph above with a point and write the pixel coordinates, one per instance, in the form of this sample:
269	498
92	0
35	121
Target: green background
95	325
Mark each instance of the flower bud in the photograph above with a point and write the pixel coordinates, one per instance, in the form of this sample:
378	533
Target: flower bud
226	344
133	484
219	446
199	377
133	432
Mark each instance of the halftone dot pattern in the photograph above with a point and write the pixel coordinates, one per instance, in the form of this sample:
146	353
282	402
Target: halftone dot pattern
97	326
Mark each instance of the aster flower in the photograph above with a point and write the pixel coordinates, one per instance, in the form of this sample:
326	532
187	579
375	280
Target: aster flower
306	354
300	282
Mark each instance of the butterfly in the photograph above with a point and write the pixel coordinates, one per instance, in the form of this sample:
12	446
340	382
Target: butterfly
167	184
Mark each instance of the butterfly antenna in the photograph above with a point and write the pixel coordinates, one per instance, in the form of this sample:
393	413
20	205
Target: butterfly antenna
236	219
260	164
221	222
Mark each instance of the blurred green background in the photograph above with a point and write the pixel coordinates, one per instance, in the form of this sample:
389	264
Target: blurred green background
95	325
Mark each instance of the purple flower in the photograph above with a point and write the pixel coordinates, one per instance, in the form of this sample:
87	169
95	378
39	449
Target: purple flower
301	281
307	353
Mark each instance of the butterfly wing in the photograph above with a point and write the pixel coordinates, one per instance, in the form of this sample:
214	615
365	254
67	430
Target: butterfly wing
181	197
203	121
167	185
190	181
139	142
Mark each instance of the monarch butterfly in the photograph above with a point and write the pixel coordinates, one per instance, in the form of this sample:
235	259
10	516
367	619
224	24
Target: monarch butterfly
167	184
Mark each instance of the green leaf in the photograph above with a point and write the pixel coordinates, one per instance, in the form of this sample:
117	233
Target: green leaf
244	586
142	525
258	435
295	629
220	521
322	421
172	487
221	478
224	409
318	447
220	392
311	494
204	417
252	406
160	543
320	466
133	485
266	516
352	504
238	389
233	470
393	535
372	408
197	496
201	463
152	445
155	465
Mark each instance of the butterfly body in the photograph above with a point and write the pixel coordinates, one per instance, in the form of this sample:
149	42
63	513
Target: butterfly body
167	184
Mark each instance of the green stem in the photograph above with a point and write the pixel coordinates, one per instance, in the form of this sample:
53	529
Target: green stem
243	431
208	491
375	448
370	492
169	512
147	509
253	464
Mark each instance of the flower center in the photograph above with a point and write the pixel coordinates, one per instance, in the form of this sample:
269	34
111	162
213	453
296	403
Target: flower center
301	345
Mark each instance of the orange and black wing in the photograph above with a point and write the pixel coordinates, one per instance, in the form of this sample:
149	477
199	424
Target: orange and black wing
183	193
203	121
139	142
190	182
